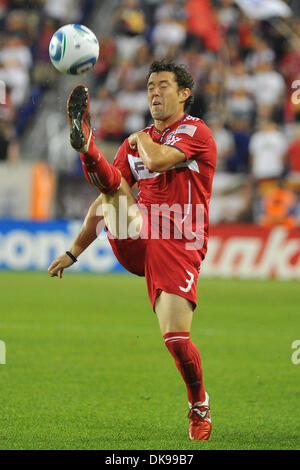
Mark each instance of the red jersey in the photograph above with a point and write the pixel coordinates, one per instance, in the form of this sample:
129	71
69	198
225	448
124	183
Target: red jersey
181	194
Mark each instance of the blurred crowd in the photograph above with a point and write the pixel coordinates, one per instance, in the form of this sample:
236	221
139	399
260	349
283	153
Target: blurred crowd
26	27
246	74
247	88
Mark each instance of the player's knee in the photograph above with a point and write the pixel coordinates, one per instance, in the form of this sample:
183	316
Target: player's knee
178	348
115	182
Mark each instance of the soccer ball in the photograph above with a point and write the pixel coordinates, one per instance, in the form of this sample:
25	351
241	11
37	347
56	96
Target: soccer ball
74	49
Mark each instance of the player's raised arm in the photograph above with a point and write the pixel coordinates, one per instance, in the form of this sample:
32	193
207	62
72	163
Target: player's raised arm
86	236
158	158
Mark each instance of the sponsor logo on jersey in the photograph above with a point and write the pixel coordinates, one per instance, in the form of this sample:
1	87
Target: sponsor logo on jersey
169	137
172	139
139	170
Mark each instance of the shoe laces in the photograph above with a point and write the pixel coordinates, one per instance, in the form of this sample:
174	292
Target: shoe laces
199	413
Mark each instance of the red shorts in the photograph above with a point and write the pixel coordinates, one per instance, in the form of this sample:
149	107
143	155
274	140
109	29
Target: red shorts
166	265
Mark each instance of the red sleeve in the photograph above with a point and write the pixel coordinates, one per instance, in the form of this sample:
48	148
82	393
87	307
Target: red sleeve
195	141
121	162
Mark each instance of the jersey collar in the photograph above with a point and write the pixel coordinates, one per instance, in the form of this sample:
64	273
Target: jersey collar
161	134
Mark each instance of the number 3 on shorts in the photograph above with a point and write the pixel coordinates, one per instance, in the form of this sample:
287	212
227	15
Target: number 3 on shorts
189	283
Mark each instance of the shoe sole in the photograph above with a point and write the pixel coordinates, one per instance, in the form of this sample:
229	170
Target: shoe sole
77	110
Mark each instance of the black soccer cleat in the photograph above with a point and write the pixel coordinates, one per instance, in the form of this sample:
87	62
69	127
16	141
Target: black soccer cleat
78	107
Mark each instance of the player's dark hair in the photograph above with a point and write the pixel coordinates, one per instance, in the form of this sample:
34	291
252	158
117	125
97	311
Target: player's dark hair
182	76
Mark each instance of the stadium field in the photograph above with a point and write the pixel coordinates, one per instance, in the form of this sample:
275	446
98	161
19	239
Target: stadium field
86	367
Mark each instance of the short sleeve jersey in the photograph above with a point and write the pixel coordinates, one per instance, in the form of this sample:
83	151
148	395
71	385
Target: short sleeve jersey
183	191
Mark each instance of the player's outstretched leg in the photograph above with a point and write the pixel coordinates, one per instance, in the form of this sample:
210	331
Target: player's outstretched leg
96	168
188	362
118	203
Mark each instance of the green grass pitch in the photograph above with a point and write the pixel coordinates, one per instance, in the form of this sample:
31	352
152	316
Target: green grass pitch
86	367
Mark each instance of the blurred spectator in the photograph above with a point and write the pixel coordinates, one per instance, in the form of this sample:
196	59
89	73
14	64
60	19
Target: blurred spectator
268	86
108	53
227	15
15	49
239	105
9	145
238	78
17	78
100	103
295	6
169	9
268	148
43	72
112	122
3	8
168	35
198	64
224	141
127	46
5	139
202	25
239	161
16	60
117	73
231	198
135	104
129	24
16	24
129	19
139	68
289	65
50	25
293	161
248	31
260	54
65	11
279	207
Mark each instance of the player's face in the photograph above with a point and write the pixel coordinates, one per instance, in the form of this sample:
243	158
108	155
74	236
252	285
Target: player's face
164	98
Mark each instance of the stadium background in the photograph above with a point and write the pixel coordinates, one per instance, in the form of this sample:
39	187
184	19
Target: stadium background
246	73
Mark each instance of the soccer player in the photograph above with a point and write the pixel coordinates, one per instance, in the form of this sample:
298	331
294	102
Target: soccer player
163	234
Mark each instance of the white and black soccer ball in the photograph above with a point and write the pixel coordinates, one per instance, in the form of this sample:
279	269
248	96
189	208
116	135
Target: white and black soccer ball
74	49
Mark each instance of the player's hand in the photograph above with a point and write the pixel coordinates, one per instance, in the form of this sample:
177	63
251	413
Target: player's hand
59	264
132	139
